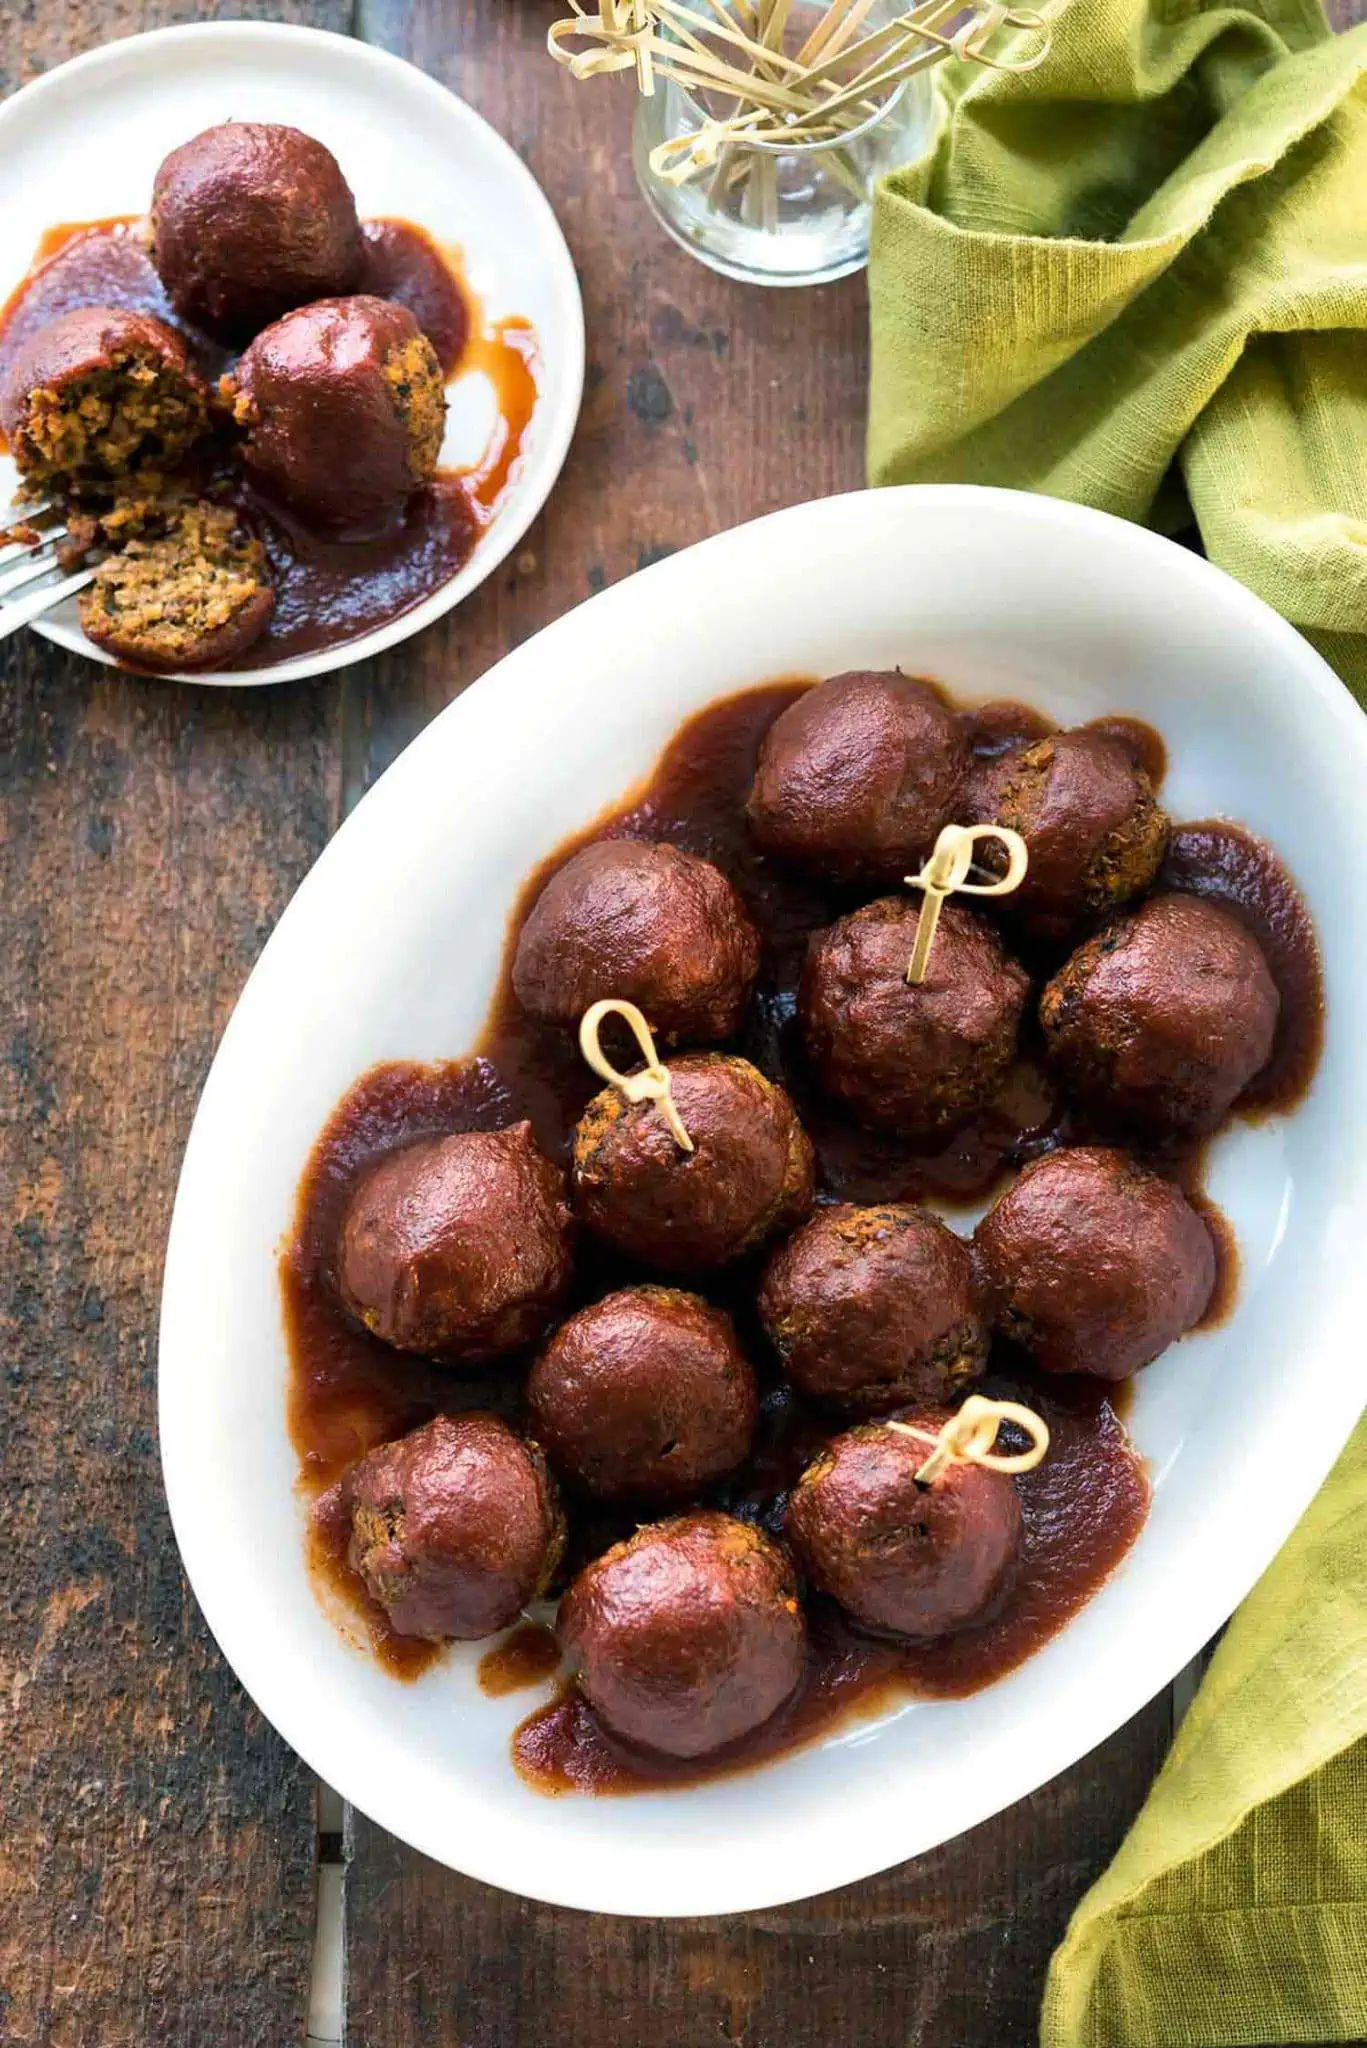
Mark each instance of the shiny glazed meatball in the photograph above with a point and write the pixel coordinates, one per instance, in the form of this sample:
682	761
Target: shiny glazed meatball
644	1396
856	778
1093	830
748	1177
873	1308
458	1247
1093	1263
344	410
917	1060
248	220
97	394
903	1558
455	1527
687	1636
1165	1016
647	923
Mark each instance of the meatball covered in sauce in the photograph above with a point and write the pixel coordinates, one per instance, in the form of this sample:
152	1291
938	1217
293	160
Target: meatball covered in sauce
454	1528
873	1309
688	1636
1093	1263
458	1247
644	1396
903	1557
749	1176
344	411
1094	832
857	777
644	922
1165	1016
97	395
250	219
917	1059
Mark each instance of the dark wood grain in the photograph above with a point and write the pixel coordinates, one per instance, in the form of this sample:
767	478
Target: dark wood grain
158	1840
946	1952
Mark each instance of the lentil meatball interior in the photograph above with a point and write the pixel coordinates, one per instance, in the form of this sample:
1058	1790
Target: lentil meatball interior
191	590
97	394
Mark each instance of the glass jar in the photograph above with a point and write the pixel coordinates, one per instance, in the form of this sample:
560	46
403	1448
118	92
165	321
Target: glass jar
783	213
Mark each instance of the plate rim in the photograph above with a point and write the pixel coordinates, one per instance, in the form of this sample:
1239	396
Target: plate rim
507	528
1228	1572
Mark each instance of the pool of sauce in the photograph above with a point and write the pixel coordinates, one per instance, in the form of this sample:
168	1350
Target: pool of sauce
327	591
1082	1508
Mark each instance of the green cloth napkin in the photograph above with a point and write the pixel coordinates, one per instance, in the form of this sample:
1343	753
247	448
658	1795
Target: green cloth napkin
1137	277
1236	1908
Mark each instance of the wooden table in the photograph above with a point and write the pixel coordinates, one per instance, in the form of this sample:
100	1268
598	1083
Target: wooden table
160	1846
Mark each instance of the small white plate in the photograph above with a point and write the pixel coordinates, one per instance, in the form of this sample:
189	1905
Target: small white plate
84	143
390	950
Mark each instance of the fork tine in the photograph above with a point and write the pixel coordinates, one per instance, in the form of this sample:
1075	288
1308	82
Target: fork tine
38	561
34	603
11	551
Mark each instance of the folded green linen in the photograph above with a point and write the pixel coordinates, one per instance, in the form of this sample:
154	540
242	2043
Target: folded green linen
1236	1909
1137	277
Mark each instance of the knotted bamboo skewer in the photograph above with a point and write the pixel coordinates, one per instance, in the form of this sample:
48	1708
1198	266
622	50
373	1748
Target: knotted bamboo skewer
653	1083
946	873
970	1436
837	79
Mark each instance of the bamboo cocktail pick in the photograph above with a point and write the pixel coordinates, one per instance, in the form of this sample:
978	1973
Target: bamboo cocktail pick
732	56
946	873
970	1437
653	1083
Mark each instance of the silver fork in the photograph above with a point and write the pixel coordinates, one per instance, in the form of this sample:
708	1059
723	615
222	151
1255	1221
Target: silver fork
26	565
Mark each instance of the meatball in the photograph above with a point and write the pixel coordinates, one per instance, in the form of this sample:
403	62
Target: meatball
647	923
344	410
458	1247
455	1527
874	1308
918	1060
97	394
687	1636
1091	825
248	220
857	777
903	1558
192	591
1093	1263
644	1396
749	1176
1165	1016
